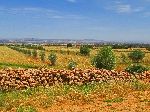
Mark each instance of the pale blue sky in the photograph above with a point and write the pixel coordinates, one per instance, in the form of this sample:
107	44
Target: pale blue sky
118	20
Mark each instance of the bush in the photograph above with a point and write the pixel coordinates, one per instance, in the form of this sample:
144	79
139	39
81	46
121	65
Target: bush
105	59
52	57
42	55
136	56
85	50
136	68
69	45
34	53
72	65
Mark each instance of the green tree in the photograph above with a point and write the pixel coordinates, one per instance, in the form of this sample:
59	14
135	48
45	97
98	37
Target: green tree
105	59
136	56
136	68
85	50
52	58
69	45
72	65
42	55
34	53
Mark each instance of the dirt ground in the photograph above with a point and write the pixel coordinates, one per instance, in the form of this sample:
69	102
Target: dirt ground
134	102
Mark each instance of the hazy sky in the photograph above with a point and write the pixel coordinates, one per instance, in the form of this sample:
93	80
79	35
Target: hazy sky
122	20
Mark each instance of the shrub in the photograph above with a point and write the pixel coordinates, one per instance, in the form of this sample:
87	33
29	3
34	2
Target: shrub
136	56
136	68
52	57
72	65
42	55
34	53
84	50
69	45
105	59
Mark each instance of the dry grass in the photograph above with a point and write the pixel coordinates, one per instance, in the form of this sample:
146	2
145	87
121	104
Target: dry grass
85	62
13	57
9	56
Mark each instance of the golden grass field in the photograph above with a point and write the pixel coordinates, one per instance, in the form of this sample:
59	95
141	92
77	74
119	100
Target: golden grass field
10	56
85	61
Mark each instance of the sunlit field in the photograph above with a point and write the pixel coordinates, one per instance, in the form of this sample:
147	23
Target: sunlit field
85	61
13	58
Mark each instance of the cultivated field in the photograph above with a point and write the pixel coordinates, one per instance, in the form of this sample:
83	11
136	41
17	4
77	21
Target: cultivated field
12	58
28	84
85	62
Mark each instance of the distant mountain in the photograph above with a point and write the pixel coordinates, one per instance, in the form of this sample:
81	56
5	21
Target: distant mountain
4	41
57	41
65	41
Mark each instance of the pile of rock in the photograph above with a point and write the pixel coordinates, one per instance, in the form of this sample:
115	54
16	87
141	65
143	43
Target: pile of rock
24	78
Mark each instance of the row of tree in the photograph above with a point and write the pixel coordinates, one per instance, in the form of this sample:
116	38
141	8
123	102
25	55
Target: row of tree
29	46
24	51
52	57
124	45
27	52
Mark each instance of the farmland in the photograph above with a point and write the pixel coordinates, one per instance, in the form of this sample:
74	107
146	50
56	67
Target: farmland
28	84
11	58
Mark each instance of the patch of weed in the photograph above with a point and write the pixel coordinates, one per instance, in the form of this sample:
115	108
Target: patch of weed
114	100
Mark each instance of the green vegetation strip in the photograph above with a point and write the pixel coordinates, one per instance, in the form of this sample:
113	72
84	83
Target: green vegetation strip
114	100
3	65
